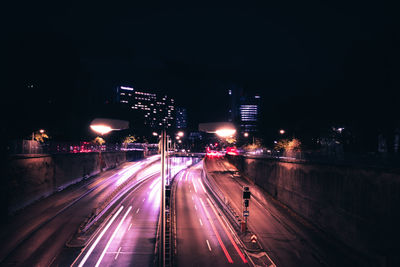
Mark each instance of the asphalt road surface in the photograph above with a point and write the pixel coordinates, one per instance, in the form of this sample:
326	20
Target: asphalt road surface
36	235
203	237
287	241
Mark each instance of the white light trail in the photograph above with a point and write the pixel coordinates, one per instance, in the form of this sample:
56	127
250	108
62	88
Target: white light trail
112	237
99	237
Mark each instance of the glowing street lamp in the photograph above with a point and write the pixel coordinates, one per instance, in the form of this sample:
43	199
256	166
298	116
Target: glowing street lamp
281	131
101	129
246	134
180	134
155	134
225	132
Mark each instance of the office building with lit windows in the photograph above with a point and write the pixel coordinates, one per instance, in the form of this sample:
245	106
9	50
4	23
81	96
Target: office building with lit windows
244	110
158	111
181	118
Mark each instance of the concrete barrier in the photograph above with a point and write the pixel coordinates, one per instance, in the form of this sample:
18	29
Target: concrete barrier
357	206
29	178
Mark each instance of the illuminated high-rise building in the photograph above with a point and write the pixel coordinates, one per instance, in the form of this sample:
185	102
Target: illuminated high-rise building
243	110
158	111
181	118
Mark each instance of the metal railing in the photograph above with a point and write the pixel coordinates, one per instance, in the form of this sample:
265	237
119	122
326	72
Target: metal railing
18	147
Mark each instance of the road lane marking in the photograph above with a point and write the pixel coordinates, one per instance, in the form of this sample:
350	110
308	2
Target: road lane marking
116	256
216	233
112	237
227	233
129	228
201	223
192	198
144	199
208	244
195	207
99	237
137	210
202	186
194	185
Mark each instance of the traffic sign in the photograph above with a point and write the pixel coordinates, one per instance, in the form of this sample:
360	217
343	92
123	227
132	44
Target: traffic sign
253	239
245	213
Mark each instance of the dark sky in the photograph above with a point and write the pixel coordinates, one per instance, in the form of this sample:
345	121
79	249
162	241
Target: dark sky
335	61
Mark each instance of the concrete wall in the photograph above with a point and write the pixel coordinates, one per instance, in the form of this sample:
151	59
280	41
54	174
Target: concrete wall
358	206
29	178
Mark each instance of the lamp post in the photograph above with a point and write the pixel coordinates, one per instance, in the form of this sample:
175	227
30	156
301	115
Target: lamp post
102	130
162	206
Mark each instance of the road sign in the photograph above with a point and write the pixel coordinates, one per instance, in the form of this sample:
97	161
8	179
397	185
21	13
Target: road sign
245	213
246	195
253	239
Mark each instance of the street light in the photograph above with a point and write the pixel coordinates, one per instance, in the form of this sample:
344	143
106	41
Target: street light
225	132
180	134
281	131
155	134
101	129
246	134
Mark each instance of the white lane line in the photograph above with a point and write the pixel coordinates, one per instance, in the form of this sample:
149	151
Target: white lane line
201	183
192	198
116	256
129	228
99	237
208	244
112	237
137	210
195	207
201	223
195	188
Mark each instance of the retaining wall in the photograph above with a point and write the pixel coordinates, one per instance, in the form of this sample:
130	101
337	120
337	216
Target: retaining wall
28	178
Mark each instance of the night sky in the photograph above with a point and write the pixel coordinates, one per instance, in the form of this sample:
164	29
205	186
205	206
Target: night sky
312	63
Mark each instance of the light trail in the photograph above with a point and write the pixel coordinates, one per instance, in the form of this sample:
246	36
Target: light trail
99	237
112	237
217	234
227	233
202	186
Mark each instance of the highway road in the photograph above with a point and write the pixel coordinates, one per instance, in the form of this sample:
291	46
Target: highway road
128	236
203	236
286	241
36	235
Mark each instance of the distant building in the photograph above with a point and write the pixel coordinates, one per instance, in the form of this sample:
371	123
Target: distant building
158	111
244	110
181	118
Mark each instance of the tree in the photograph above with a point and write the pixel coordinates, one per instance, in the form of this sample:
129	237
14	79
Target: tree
129	139
287	145
99	141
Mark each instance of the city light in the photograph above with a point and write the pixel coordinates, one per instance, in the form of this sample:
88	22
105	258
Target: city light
246	134
281	131
155	134
180	134
101	129
225	132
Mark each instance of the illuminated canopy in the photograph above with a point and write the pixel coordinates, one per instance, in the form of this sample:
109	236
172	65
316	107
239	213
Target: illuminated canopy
104	126
222	129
